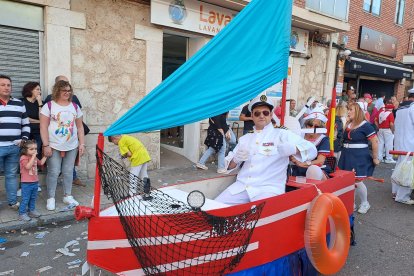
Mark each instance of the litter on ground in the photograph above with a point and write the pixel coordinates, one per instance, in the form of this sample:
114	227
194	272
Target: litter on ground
8	272
24	254
36	244
75	262
65	252
43	269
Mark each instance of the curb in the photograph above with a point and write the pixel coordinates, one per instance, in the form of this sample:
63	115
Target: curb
42	221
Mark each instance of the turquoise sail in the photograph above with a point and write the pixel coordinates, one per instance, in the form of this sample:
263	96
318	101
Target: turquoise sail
249	55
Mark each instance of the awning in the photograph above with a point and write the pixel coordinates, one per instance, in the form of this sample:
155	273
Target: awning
363	64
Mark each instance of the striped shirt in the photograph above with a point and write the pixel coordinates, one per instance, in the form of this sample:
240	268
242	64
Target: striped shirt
14	123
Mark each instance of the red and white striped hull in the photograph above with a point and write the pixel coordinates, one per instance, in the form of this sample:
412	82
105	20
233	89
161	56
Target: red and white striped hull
279	231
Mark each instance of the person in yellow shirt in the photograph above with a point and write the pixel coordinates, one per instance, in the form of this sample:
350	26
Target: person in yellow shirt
131	148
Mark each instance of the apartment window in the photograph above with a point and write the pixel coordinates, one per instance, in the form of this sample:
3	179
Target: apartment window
372	6
334	8
399	13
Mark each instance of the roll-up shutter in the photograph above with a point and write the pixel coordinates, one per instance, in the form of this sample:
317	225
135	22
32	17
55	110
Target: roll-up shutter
19	56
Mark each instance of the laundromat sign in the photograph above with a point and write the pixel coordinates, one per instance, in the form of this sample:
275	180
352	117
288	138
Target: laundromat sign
191	15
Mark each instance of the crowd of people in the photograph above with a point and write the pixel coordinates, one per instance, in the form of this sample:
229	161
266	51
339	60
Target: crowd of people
35	132
366	130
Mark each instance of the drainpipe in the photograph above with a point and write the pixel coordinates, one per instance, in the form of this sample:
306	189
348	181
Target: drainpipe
328	59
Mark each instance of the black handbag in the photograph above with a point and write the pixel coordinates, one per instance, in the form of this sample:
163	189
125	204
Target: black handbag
86	129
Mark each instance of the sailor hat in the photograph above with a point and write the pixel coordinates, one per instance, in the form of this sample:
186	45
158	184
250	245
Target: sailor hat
262	100
363	106
317	113
411	91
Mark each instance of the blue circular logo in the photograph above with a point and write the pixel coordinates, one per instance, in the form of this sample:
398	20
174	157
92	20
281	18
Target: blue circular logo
177	11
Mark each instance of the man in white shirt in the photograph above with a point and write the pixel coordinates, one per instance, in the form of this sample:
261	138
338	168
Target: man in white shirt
264	154
404	141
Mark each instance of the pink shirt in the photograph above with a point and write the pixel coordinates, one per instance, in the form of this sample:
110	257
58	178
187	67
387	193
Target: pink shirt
31	174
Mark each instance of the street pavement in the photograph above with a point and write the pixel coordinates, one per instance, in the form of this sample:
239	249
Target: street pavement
385	235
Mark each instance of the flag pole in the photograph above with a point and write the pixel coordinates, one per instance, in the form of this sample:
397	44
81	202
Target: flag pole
283	103
331	121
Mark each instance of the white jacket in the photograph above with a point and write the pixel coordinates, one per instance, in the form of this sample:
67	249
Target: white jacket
266	168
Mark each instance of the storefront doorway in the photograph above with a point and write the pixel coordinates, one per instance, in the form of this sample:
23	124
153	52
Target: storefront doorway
376	87
174	55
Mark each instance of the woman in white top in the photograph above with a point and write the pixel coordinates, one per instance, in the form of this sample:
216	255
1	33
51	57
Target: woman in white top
62	135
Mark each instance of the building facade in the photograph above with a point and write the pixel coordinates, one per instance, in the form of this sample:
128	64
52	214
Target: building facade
380	42
114	52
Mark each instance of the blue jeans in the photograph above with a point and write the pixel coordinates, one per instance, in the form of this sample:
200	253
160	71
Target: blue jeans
220	155
9	161
55	164
29	196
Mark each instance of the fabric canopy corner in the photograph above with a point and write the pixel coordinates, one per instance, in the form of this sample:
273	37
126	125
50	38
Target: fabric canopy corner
249	55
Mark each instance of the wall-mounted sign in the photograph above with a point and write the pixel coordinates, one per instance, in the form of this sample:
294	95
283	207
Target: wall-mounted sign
191	15
299	40
377	42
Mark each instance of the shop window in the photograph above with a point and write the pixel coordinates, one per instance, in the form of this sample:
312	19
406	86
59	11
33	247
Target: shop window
399	13
372	6
337	9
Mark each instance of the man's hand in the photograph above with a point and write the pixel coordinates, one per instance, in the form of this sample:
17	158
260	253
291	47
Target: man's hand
241	155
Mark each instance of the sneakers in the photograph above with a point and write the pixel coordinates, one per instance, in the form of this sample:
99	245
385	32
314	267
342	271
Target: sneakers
34	214
24	217
19	192
70	200
15	206
50	205
201	166
392	161
394	195
222	171
363	208
408	202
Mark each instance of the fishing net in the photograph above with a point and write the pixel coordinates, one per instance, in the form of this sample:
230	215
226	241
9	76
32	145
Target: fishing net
168	236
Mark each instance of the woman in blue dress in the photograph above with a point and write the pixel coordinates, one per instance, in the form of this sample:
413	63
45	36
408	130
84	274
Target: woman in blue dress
356	155
318	168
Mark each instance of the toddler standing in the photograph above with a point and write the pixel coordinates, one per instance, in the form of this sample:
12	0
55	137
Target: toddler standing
29	180
131	148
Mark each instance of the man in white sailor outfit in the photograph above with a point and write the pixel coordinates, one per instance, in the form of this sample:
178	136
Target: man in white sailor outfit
404	141
264	154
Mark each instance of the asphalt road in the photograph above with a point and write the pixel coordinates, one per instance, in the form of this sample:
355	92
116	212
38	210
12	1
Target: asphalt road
385	241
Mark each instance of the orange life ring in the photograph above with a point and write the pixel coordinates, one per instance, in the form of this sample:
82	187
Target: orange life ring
327	259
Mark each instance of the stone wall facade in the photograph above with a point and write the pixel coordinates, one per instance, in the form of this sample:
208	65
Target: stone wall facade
315	74
109	70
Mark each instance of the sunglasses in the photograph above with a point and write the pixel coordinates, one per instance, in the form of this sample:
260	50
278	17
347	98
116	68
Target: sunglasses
258	113
66	90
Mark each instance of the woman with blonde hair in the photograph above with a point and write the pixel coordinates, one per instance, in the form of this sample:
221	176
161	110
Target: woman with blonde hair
355	154
63	138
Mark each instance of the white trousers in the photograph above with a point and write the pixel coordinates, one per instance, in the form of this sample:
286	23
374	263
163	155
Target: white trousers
402	193
227	198
141	172
385	141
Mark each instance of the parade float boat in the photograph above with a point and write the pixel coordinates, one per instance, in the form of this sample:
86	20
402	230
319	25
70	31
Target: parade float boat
181	229
265	237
